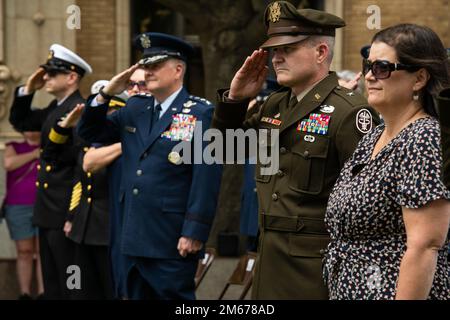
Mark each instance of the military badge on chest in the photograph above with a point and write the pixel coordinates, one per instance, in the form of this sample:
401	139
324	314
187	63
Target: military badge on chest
316	123
181	128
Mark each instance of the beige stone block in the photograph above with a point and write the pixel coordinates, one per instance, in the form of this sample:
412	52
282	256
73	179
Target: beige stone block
24	8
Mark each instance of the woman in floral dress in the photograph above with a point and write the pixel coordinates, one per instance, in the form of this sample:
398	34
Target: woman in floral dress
389	214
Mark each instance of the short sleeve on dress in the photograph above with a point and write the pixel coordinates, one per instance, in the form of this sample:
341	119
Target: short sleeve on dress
418	176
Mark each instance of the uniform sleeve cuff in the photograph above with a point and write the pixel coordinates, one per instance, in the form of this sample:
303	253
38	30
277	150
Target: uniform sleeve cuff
196	230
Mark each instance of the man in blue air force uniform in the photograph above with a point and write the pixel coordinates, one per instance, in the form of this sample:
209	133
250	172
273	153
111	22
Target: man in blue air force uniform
169	203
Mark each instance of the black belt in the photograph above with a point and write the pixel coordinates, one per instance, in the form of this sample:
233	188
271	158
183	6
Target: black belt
293	224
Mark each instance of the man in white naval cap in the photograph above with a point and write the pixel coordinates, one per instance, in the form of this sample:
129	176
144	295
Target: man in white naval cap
60	76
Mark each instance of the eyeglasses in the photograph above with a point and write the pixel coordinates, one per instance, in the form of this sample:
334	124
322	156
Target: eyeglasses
141	85
53	73
381	69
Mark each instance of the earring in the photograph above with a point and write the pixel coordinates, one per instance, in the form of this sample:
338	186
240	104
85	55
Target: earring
416	96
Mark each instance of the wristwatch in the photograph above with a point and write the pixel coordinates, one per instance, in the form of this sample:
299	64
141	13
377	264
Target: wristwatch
104	95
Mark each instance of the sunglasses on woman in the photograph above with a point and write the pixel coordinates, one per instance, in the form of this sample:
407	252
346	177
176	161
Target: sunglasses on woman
141	85
381	69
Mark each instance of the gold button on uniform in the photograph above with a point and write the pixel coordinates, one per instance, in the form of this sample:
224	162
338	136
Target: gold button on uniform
274	197
85	149
48	168
89	174
89	187
39	167
89	200
37	184
45	185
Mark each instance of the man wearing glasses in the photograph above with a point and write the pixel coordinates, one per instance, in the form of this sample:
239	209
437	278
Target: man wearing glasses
319	125
137	85
60	76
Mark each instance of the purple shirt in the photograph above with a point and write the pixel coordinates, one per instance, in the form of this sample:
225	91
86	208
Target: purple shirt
24	191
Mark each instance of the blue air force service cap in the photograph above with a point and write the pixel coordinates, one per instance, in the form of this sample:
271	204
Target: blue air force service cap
157	47
64	60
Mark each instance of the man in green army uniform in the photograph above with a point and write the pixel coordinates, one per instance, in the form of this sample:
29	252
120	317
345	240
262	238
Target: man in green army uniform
319	123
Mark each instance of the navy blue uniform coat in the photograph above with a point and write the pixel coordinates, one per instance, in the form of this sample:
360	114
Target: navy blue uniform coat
162	201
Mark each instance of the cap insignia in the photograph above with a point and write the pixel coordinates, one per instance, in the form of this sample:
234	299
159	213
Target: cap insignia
274	12
145	41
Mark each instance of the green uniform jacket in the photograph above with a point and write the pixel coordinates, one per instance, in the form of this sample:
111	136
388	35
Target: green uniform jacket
444	118
292	202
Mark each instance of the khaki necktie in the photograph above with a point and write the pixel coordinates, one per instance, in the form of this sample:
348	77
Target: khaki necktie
292	102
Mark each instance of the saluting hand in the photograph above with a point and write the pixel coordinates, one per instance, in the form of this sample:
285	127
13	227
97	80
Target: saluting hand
120	81
187	245
35	81
71	120
249	79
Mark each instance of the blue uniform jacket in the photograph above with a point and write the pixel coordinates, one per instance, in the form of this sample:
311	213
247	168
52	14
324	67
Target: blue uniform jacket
162	201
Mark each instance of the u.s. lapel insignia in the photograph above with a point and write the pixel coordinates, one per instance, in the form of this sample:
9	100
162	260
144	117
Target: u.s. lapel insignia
350	94
274	12
364	121
326	109
186	110
145	41
277	115
317	96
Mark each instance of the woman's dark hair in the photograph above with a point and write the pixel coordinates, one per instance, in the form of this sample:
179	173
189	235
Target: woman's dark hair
420	46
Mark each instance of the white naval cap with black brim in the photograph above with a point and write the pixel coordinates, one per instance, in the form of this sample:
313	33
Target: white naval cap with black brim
64	60
157	47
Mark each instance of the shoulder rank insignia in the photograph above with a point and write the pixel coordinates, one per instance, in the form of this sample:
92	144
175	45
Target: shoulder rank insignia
200	99
350	94
316	123
364	121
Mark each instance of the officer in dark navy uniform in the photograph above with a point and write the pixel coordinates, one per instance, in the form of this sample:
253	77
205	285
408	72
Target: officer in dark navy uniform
169	202
88	218
60	76
319	124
